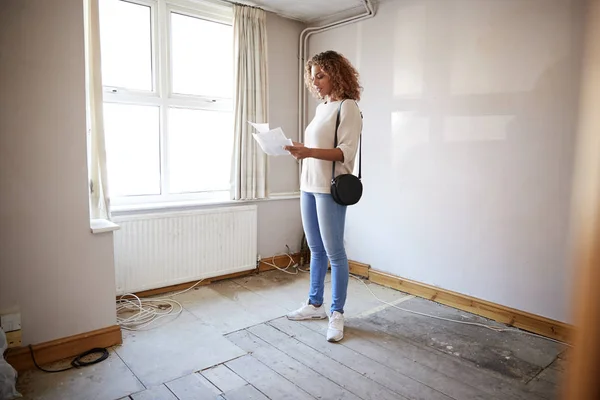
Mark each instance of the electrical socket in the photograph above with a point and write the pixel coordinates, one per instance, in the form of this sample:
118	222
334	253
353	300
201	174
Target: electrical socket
13	339
10	322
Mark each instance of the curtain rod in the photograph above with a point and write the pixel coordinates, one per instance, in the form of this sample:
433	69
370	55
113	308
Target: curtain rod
240	4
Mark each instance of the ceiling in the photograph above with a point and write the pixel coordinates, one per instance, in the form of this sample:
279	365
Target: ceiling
311	11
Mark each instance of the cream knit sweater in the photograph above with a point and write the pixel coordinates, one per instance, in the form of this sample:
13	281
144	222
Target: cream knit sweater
316	174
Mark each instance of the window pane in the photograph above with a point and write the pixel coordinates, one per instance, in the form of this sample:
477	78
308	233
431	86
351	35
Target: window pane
200	149
132	149
126	42
202	55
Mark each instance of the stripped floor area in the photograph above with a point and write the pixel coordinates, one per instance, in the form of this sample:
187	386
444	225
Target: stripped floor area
232	341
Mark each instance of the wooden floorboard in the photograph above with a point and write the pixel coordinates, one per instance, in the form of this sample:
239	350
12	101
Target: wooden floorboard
360	385
266	380
456	368
193	387
543	389
357	341
224	378
246	392
511	353
315	384
160	392
551	375
382	374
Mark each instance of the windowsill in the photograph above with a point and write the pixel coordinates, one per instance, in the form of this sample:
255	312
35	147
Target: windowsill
182	205
102	226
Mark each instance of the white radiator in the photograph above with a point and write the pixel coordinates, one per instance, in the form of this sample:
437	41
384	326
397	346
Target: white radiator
163	249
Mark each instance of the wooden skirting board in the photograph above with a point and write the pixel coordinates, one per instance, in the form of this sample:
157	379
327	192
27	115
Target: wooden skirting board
359	269
72	346
506	315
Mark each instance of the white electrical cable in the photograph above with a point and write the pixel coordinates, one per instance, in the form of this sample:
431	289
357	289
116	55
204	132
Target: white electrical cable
284	269
135	314
295	265
493	328
144	312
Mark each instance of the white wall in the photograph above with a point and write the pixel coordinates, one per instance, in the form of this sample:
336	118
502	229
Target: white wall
53	269
282	58
279	221
469	131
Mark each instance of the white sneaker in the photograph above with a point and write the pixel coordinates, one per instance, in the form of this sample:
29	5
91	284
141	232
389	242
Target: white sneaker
308	311
335	332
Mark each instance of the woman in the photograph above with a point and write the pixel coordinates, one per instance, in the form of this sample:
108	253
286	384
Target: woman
331	77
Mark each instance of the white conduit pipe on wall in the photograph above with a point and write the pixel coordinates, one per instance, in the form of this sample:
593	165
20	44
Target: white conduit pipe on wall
302	50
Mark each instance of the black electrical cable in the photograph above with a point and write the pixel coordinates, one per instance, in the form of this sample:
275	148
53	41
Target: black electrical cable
77	361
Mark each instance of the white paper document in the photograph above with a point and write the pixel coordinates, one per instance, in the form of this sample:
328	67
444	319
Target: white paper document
262	128
271	141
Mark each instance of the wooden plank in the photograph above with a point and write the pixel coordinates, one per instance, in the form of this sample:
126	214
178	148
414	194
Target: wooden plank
559	364
312	382
359	269
513	355
223	378
160	392
380	373
351	380
543	388
193	387
552	375
59	349
266	380
359	342
246	392
510	316
450	366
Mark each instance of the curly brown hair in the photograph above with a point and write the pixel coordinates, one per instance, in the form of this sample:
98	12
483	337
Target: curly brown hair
344	77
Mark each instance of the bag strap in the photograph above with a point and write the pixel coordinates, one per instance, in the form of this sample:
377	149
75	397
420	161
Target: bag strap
335	143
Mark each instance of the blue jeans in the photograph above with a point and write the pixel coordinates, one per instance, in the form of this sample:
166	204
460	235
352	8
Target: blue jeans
324	222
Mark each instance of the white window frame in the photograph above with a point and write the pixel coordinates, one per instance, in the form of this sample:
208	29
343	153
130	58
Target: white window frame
162	94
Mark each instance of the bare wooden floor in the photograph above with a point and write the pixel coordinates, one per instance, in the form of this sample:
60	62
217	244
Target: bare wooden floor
248	350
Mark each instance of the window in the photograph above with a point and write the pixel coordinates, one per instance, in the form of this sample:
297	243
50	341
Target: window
167	71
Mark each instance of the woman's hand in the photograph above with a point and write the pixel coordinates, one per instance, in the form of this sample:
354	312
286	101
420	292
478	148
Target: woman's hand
299	151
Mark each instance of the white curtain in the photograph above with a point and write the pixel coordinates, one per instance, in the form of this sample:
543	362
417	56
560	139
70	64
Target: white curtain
249	167
99	200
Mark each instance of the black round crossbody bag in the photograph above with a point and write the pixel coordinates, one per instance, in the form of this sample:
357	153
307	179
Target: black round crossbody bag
346	189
